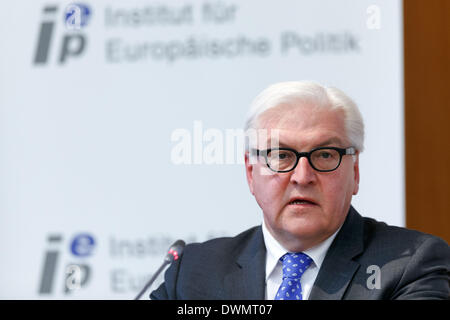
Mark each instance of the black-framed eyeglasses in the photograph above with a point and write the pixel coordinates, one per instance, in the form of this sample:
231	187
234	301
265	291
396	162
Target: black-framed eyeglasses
323	159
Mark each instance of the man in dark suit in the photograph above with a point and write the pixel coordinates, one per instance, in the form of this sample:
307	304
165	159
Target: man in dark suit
303	172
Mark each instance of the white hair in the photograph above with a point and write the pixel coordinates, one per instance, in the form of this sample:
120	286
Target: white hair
300	93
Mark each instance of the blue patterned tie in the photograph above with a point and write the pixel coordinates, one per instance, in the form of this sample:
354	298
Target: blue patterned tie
294	265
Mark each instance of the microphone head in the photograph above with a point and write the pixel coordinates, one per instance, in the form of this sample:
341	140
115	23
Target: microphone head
175	251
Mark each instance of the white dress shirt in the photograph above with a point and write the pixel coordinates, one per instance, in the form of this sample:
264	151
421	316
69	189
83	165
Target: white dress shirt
274	267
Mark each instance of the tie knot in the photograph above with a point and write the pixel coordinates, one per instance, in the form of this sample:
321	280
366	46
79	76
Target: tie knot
294	264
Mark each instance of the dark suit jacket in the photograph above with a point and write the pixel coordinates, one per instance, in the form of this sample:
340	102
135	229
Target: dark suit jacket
413	265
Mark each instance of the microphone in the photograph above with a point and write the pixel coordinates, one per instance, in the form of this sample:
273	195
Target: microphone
174	253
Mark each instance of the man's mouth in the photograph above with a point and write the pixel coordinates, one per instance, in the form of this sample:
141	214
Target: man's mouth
302	201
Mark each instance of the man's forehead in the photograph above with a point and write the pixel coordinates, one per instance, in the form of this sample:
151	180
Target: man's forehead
303	127
295	115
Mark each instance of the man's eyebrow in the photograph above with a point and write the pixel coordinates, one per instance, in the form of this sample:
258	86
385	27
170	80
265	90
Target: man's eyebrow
283	145
329	142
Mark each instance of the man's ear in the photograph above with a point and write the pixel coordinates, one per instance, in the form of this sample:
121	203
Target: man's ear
249	171
356	173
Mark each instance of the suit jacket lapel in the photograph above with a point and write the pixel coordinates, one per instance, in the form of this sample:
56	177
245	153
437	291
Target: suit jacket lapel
246	281
338	268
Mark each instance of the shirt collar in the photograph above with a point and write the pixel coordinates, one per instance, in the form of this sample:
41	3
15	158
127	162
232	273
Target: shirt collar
275	250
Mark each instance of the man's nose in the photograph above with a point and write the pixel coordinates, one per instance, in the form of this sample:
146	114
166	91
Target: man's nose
303	173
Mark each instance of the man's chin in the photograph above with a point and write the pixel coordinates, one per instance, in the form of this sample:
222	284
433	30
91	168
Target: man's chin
298	211
304	224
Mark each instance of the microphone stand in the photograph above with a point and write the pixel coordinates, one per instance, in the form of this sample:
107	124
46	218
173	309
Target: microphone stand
175	251
165	263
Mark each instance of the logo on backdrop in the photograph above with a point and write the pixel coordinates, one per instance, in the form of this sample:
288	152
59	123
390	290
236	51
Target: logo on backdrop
71	44
76	273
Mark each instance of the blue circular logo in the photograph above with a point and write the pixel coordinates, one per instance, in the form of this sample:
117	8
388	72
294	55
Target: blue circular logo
76	16
82	245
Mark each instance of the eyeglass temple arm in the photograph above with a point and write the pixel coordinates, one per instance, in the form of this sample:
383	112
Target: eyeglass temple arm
254	151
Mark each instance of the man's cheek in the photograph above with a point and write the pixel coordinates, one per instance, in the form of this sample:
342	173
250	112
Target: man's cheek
265	171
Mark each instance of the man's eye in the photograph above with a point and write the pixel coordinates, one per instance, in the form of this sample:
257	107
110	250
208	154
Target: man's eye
325	155
285	156
280	156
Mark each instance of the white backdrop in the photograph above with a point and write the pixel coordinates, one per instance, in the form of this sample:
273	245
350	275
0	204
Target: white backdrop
89	102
